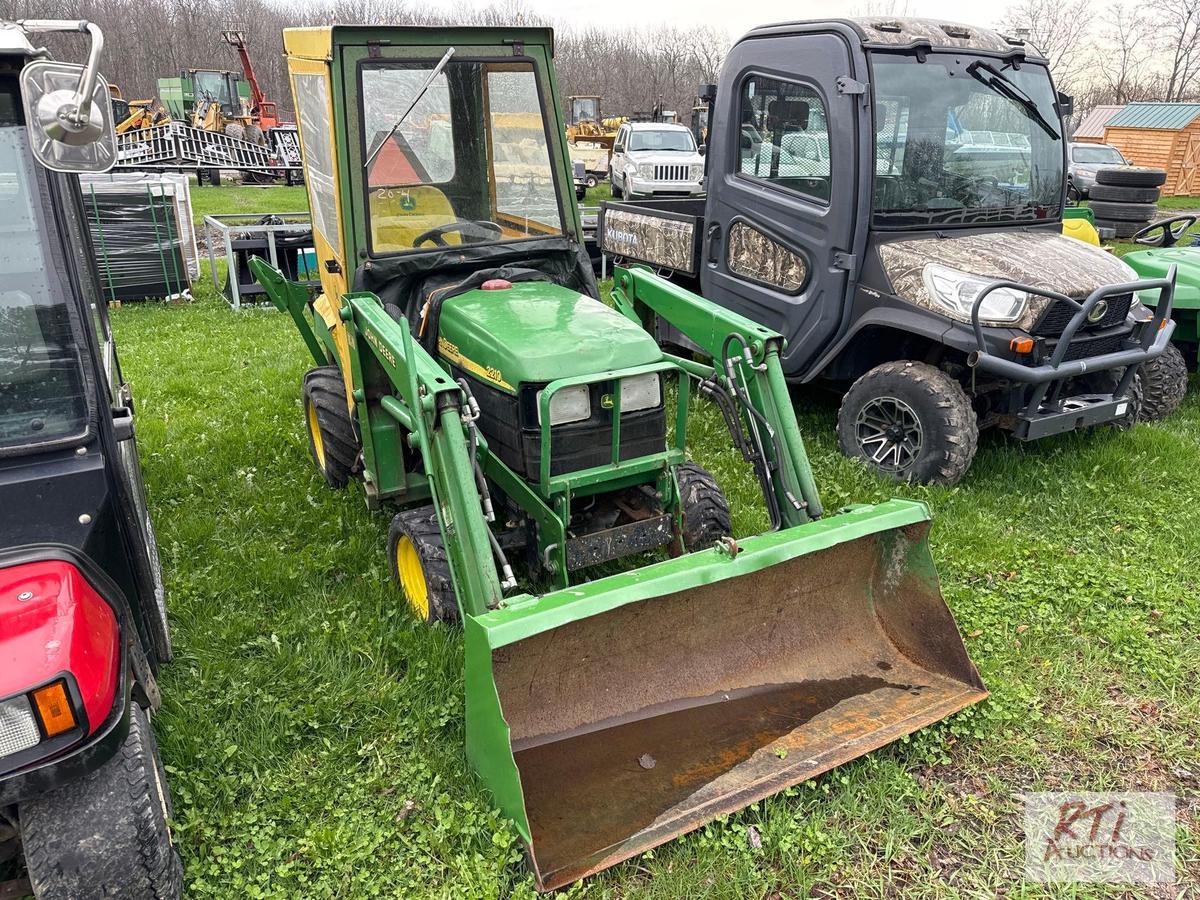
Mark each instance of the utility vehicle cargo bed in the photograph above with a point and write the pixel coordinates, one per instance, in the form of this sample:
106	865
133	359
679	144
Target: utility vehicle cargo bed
666	234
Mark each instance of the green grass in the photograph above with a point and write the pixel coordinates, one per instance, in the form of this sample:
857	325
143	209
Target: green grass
234	198
313	732
1179	202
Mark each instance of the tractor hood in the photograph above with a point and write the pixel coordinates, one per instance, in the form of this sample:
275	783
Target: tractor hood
535	332
1155	263
1043	259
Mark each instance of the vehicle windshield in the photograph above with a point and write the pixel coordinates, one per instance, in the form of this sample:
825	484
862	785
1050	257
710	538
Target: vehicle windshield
961	141
469	164
42	395
1097	154
210	86
585	109
662	140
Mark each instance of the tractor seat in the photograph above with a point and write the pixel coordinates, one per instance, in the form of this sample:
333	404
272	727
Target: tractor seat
400	214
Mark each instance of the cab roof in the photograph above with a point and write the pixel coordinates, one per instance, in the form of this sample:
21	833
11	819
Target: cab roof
883	32
318	42
14	41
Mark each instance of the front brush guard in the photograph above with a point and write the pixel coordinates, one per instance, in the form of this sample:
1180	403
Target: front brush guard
1047	412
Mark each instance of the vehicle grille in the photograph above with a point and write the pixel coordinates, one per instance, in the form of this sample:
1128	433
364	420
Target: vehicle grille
1058	315
1087	348
670	173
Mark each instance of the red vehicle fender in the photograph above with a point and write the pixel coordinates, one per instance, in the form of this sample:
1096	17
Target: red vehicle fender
54	623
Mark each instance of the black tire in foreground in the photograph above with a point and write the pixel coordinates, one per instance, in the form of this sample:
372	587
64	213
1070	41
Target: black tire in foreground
1124	212
1122	228
704	506
1115	193
106	834
331	438
1164	384
909	421
420	565
1131	176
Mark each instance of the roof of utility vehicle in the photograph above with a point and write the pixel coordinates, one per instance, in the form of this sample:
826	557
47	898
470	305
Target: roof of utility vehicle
893	31
14	40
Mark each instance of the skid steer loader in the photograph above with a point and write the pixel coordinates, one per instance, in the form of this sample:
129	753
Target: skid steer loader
468	374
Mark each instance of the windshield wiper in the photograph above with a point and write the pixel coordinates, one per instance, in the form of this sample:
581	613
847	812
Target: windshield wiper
437	70
1006	88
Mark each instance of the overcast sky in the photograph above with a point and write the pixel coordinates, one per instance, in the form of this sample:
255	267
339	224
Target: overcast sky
736	18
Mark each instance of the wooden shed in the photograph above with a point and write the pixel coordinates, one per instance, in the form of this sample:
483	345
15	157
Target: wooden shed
1162	135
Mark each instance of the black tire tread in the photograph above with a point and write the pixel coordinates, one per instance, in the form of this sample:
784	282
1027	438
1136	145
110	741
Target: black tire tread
327	392
1131	176
136	859
704	506
1116	193
420	525
1124	212
1164	384
957	417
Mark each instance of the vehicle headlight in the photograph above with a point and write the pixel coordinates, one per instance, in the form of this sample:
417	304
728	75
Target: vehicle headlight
18	728
571	404
957	291
696	171
645	170
641	392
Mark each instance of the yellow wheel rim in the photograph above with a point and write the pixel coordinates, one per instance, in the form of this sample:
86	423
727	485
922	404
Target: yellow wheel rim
314	431
412	577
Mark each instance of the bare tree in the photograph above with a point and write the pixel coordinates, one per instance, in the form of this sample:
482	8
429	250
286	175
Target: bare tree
1123	54
1058	28
1178	24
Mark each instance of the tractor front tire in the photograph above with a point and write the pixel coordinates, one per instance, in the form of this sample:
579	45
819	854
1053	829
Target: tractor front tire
235	130
254	135
911	422
1164	383
106	834
331	438
704	507
420	565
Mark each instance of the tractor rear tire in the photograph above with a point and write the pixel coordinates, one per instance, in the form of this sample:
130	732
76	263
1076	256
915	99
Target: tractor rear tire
1124	212
254	135
913	414
1131	176
1115	193
1164	384
704	506
332	441
420	565
105	834
235	130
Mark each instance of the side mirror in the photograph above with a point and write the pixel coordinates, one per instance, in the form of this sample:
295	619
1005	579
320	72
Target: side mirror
1066	105
67	107
703	149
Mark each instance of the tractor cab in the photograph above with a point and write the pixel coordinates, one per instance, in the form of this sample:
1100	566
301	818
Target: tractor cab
83	628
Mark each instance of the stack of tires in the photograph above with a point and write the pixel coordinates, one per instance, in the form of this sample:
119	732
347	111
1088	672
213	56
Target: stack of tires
1125	198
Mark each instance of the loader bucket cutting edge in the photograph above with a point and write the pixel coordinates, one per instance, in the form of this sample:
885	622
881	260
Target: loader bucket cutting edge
611	717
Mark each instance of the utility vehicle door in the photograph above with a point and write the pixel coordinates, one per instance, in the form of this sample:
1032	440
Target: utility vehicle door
789	151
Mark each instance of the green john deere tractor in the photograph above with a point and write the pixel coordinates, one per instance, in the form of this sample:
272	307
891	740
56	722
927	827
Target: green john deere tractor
469	377
1173	243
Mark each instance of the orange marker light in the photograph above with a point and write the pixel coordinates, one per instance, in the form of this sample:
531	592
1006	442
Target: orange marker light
1021	345
54	709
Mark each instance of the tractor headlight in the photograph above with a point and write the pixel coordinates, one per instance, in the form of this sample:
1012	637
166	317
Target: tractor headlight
641	392
957	291
646	170
18	727
571	404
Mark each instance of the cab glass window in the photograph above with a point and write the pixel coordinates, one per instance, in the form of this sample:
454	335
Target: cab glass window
42	396
784	136
470	163
312	111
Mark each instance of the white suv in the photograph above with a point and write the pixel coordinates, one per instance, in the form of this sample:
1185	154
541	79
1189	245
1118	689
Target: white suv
655	159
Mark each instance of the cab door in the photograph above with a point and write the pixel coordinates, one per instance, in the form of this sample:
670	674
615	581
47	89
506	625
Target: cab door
792	145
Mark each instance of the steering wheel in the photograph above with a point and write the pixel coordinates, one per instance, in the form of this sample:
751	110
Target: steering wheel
1166	232
482	231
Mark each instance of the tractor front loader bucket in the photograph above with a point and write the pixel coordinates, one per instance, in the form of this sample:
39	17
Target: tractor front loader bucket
611	717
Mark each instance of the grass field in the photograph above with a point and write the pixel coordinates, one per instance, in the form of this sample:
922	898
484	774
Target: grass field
313	732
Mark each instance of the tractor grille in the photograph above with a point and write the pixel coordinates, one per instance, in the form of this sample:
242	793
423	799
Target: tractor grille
671	173
1058	315
1086	348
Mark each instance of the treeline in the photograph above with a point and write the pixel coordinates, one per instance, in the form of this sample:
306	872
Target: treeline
633	70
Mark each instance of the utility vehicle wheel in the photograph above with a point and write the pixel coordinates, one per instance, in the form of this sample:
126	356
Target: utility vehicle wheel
331	438
236	131
911	422
1131	176
1164	383
1124	212
1115	193
704	507
106	834
420	566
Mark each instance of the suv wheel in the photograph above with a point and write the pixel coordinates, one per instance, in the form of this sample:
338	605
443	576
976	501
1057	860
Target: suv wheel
909	421
617	193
